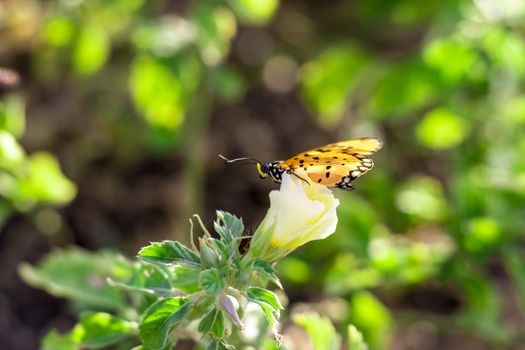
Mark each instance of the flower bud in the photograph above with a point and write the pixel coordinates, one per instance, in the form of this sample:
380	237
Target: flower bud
208	255
299	213
230	309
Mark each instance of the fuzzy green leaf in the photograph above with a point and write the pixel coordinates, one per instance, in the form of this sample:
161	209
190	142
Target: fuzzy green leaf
80	276
102	329
270	305
255	12
261	295
267	271
55	341
212	281
228	226
148	279
210	252
95	330
213	323
355	339
320	330
170	252
160	319
375	321
92	49
223	248
186	279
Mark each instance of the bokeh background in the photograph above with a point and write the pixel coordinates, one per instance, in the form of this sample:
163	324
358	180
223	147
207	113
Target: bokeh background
112	113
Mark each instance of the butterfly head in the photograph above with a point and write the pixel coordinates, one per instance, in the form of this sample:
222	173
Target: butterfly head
273	169
264	169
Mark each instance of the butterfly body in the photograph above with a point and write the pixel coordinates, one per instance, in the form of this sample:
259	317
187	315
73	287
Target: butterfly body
333	165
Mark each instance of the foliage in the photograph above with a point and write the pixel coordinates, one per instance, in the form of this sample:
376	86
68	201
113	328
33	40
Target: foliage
27	181
162	310
323	335
81	277
320	330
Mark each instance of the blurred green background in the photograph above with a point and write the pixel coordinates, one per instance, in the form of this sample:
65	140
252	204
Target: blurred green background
112	113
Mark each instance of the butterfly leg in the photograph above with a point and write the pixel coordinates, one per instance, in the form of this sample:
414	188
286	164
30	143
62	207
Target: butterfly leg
293	173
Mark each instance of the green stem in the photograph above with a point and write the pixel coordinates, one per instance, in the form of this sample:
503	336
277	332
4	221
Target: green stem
194	148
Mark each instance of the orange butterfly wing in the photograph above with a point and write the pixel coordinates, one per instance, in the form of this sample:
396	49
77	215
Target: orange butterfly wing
336	163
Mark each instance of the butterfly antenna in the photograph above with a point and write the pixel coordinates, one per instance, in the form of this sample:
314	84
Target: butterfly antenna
229	161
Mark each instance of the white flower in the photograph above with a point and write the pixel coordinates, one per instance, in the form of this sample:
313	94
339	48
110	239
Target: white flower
300	212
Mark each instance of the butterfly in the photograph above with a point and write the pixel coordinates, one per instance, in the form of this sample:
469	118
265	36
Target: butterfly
333	165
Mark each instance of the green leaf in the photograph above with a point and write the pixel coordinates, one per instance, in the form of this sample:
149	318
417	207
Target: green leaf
158	93
270	305
44	183
213	323
148	283
267	271
402	90
223	249
102	329
55	341
170	252
58	30
12	156
91	49
255	12
482	233
81	276
160	319
216	26
211	252
228	226
269	344
149	279
320	330
423	198
261	295
186	279
151	36
355	339
452	57
212	281
442	129
372	318
505	49
329	80
12	115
